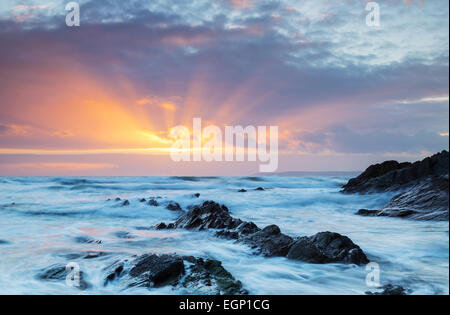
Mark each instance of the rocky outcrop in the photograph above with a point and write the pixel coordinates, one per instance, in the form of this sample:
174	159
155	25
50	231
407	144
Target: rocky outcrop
423	188
192	274
390	289
327	247
321	248
209	274
391	175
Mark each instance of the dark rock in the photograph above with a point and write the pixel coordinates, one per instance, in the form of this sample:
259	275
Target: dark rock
327	247
269	241
142	200
196	195
173	206
114	272
206	216
117	199
153	202
124	235
427	200
242	190
160	226
154	270
391	175
87	240
211	274
390	289
259	189
94	254
125	203
59	273
4	242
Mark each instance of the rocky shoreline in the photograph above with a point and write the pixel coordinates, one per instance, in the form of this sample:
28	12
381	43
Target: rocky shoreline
422	187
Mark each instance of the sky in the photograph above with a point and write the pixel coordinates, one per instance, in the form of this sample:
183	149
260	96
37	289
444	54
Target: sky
102	97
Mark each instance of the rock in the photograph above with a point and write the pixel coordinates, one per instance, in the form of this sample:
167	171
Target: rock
94	254
206	216
212	275
58	272
197	195
327	247
269	241
117	199
4	242
142	200
87	240
391	175
114	271
125	203
124	235
242	190
427	200
160	226
154	271
173	206
390	289
153	202
259	189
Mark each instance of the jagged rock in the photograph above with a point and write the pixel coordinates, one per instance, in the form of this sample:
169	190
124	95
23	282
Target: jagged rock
427	200
212	275
390	289
153	270
269	241
327	247
173	206
160	226
114	271
59	272
391	175
206	216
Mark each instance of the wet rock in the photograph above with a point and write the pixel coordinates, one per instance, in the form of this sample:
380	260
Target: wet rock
391	175
59	272
86	240
125	203
427	200
94	254
153	270
210	275
124	235
197	195
160	226
117	199
259	189
142	200
113	271
327	247
173	206
206	216
390	289
153	202
269	241
242	190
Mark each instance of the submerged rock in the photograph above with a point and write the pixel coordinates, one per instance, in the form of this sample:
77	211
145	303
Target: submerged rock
327	247
390	289
125	203
153	202
242	190
173	206
259	189
86	240
59	273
